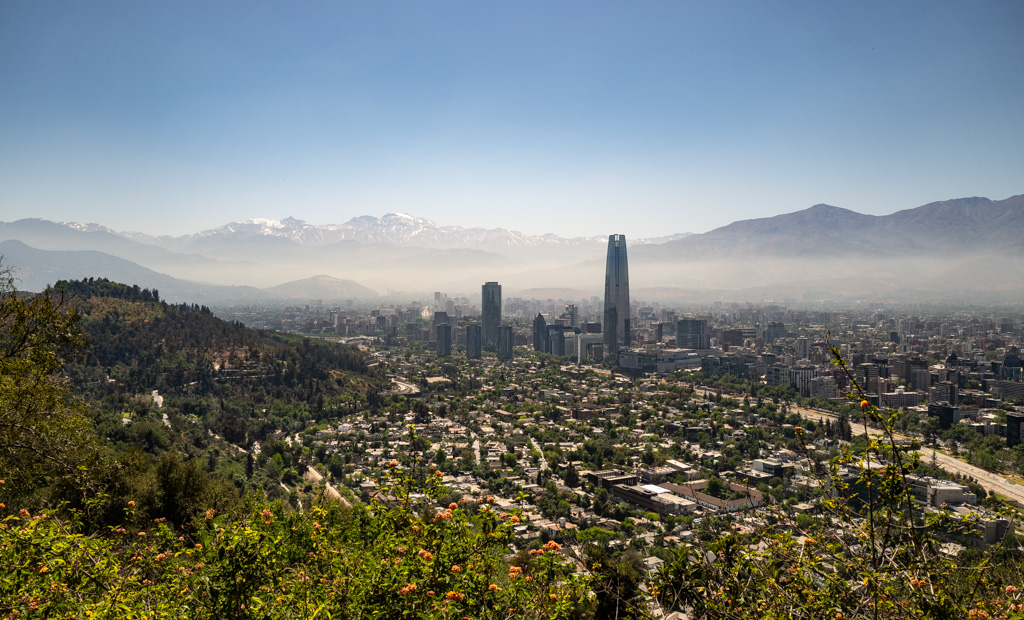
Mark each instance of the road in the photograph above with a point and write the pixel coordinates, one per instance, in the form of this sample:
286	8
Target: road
404	387
315	477
988	480
543	461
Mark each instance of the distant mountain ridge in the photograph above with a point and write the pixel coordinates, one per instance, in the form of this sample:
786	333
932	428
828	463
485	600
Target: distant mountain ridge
824	229
954	246
392	228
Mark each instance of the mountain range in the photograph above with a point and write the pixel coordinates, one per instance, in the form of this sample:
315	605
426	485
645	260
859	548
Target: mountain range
952	249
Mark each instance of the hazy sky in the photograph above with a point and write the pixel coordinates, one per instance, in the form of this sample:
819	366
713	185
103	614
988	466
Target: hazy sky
575	118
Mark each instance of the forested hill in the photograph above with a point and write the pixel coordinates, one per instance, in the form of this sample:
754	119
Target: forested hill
138	344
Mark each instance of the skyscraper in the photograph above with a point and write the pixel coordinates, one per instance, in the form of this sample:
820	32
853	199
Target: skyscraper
474	344
540	334
616	326
506	340
443	337
490	314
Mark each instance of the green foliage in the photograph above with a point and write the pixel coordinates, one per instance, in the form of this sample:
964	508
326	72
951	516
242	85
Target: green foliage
875	554
44	434
393	559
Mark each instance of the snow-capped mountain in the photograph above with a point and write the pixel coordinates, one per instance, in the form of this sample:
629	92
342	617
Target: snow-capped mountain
399	229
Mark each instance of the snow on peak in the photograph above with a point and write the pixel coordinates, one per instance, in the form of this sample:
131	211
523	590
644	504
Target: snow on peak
262	221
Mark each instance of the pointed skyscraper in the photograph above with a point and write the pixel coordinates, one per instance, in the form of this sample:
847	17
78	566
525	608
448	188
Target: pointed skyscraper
490	314
617	332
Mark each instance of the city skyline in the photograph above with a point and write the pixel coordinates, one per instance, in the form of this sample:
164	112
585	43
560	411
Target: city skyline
143	117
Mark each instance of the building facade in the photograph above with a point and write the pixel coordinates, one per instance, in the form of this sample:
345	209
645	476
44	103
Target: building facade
490	314
474	342
692	334
506	340
617	328
443	338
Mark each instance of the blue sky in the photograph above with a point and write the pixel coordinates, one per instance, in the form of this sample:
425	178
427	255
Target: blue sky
576	118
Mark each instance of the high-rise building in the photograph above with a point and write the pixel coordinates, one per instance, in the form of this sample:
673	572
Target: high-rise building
440	318
556	339
540	334
490	314
1014	429
803	348
505	341
474	342
443	336
617	331
692	334
573	314
948	415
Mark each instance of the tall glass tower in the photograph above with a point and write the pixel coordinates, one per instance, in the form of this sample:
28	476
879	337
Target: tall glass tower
616	326
490	314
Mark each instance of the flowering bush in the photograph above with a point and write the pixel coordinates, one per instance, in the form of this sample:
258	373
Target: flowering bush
384	560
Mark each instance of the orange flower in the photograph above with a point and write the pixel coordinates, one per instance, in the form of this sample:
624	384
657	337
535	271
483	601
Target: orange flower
131	503
407	590
426	555
454	596
456	568
553	546
452	506
493	587
864	404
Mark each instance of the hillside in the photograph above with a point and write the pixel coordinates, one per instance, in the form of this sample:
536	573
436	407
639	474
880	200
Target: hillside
139	344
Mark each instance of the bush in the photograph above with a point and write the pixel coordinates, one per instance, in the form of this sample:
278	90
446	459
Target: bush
388	559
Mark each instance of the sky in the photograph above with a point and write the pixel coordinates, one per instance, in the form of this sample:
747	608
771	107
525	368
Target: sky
572	118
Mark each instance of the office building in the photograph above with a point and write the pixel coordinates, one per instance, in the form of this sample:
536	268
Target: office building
556	339
1014	429
474	342
443	337
540	334
440	318
617	333
692	334
573	314
505	342
947	415
490	314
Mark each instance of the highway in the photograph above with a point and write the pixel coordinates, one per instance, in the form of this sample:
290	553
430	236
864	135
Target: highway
988	480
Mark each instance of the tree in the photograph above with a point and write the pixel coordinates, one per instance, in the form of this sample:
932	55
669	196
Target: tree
44	433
